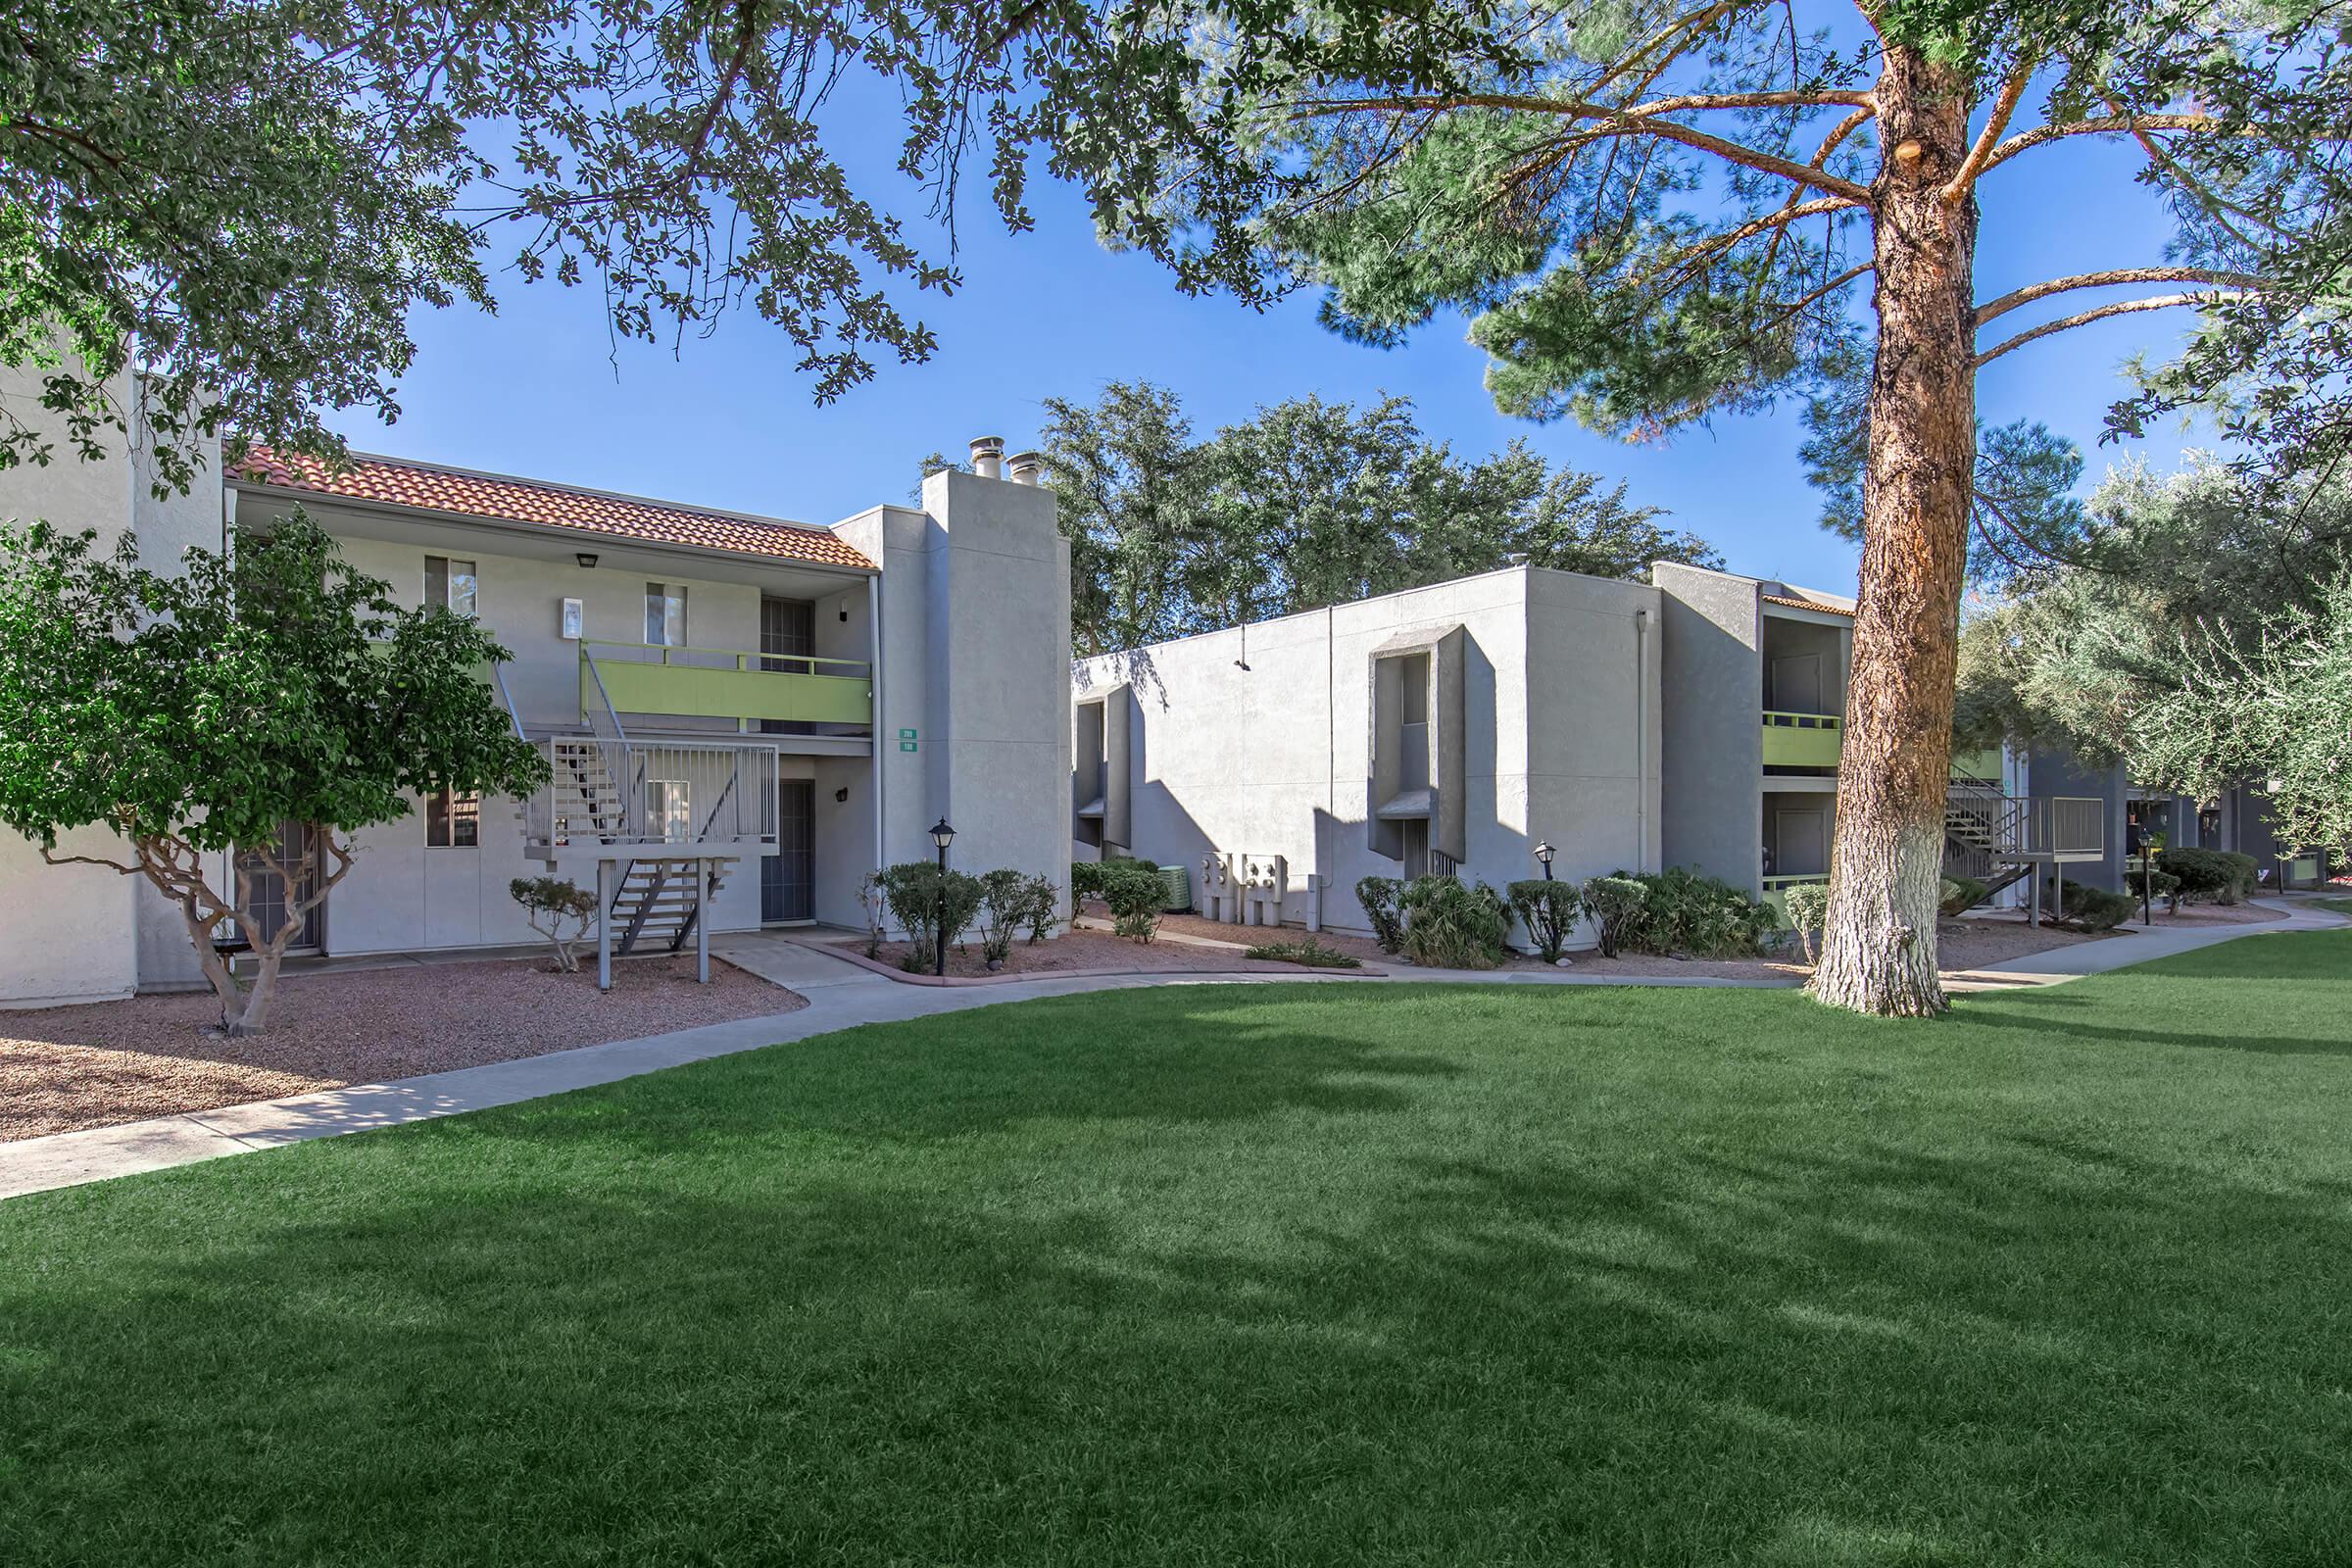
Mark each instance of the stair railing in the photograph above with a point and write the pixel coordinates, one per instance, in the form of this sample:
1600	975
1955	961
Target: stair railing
620	763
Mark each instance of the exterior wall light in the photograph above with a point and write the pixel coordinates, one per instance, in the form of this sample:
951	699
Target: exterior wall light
1544	854
586	557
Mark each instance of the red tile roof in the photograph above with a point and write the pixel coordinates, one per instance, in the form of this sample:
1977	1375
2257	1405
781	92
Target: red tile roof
392	482
1808	604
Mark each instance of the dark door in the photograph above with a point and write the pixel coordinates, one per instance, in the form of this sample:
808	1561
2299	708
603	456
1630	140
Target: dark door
266	884
788	637
788	877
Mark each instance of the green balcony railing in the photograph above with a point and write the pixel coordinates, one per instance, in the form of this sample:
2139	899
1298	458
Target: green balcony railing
1802	740
720	683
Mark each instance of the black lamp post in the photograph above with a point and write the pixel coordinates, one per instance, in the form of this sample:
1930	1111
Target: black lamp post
943	836
1544	854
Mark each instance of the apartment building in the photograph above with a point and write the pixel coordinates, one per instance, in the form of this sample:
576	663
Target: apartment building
775	705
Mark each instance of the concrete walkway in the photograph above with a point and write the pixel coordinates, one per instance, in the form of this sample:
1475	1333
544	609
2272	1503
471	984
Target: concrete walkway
841	996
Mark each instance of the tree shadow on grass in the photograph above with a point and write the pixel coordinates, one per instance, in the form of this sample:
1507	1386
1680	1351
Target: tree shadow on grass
952	1332
2054	1012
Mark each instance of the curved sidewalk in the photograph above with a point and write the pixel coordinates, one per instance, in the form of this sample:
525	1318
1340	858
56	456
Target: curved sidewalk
841	996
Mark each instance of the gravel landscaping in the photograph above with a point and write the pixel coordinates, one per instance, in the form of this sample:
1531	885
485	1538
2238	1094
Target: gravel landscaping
67	1068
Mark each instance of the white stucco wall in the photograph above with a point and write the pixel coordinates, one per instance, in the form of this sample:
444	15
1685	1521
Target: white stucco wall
1273	758
79	933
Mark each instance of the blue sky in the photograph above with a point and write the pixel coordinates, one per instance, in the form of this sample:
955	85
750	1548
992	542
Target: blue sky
726	420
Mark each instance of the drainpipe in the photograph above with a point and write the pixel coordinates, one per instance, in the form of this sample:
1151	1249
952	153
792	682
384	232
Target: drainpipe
873	651
1640	741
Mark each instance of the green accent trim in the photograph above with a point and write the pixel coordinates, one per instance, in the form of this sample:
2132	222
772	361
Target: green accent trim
745	691
1802	740
1985	765
1776	889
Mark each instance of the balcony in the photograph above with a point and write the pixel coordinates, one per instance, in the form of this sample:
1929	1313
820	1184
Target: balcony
718	683
1802	740
606	793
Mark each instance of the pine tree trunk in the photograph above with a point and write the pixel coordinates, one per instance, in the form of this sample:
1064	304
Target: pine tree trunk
1878	948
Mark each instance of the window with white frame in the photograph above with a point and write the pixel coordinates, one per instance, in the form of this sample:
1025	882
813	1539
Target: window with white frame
665	615
452	821
452	585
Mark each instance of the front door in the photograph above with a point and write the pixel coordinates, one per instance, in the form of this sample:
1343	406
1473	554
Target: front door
266	890
788	877
1796	684
1802	841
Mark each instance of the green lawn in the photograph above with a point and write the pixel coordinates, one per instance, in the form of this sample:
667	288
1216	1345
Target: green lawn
1268	1275
2338	905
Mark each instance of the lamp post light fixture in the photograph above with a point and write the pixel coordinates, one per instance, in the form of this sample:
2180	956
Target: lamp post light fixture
943	836
1544	854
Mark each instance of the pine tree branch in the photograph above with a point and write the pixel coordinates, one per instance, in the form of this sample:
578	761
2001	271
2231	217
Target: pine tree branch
1996	120
2113	125
2122	274
2157	302
1626	122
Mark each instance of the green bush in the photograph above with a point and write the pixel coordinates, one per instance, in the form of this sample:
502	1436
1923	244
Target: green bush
1808	906
1379	895
569	909
1450	926
1040	907
1613	904
1086	879
1549	910
1962	894
2221	875
1310	953
1136	896
934	908
2097	908
1699	916
1003	906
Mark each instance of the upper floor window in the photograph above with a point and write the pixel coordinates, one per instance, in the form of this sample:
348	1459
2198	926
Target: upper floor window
452	821
452	585
665	615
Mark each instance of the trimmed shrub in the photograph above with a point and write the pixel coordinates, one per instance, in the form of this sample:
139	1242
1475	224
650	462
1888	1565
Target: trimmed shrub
1450	926
1136	897
1004	904
1310	953
1549	910
934	908
1039	908
1379	895
1700	915
1962	894
1808	908
1613	904
2097	908
560	903
2221	875
1086	878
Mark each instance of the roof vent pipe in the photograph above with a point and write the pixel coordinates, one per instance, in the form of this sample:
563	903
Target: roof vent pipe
1026	468
988	456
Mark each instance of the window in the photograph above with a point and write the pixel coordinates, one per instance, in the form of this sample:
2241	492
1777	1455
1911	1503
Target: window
665	615
452	585
670	808
452	821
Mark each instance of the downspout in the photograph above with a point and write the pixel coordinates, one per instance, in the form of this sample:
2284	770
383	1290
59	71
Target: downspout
873	628
1640	740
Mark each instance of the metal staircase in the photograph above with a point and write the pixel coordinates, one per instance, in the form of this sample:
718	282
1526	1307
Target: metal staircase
657	902
589	801
1986	838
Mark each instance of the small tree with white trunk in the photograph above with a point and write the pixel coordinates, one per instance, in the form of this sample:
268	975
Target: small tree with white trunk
243	716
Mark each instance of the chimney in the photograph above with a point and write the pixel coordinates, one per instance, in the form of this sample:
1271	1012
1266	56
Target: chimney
1027	467
988	456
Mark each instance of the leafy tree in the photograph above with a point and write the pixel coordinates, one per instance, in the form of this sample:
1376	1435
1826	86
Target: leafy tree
245	198
2188	570
1661	212
202	712
1308	503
